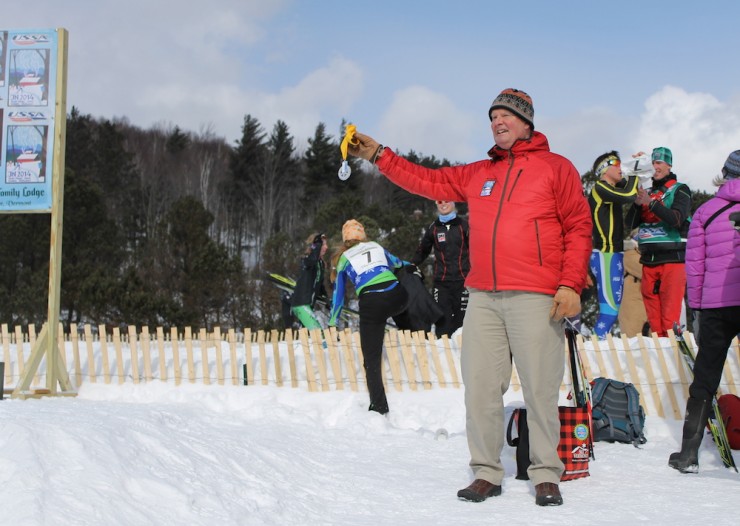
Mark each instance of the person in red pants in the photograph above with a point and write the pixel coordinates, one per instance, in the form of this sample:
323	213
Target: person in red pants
662	217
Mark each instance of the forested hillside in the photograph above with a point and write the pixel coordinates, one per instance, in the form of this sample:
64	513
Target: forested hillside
174	228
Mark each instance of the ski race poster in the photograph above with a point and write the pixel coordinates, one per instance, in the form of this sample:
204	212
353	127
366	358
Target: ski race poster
28	73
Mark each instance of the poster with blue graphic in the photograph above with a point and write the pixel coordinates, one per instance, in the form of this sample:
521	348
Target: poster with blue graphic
28	72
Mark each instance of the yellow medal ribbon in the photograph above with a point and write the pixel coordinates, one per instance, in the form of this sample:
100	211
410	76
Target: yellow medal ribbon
349	138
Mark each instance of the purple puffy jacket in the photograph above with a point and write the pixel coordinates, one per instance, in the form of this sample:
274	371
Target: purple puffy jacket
712	268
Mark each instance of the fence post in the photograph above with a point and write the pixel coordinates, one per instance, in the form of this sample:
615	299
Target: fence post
2	379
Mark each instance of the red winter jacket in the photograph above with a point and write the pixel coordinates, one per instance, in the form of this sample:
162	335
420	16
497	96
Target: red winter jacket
530	225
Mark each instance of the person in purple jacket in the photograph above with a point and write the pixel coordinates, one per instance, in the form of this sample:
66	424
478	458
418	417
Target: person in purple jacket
713	279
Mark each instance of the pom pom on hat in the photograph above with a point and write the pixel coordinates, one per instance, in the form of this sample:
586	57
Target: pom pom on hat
731	169
353	229
516	101
661	153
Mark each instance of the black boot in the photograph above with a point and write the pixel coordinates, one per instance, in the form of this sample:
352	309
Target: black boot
697	413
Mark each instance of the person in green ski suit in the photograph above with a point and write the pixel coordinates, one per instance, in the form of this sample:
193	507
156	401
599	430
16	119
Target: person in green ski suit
310	284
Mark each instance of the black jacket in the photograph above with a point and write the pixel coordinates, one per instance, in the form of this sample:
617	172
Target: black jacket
606	203
450	242
676	217
310	284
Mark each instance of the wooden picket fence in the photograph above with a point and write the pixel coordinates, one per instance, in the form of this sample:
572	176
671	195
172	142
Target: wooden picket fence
332	360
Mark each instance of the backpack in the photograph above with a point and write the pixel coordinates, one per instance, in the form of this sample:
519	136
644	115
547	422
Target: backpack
616	411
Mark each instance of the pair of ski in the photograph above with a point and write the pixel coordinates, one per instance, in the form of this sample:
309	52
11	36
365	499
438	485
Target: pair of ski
581	387
715	421
582	395
287	284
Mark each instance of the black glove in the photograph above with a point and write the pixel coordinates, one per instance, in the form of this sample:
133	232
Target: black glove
319	239
735	220
413	269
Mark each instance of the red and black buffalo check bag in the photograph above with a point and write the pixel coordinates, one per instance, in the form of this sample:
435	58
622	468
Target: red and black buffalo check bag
576	444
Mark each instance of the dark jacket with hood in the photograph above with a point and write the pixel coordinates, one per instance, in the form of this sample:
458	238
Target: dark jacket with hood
663	224
310	284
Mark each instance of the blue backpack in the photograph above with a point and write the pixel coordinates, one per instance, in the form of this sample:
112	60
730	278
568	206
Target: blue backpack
616	412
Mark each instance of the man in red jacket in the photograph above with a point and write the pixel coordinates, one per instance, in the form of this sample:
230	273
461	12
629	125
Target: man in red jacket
530	242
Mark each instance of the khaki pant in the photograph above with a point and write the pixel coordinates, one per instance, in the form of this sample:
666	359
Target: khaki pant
497	327
632	315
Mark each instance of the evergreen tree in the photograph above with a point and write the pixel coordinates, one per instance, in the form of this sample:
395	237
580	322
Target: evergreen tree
246	163
195	271
588	181
24	268
698	198
177	141
280	185
322	160
139	203
139	300
116	172
96	152
280	255
332	213
91	252
80	150
318	165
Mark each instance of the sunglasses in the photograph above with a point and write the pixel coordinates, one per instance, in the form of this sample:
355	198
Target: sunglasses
605	164
441	202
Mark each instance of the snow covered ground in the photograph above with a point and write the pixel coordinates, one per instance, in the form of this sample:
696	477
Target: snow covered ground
204	455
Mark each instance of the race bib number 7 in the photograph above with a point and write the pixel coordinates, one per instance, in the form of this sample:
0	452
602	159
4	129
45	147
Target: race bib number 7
366	257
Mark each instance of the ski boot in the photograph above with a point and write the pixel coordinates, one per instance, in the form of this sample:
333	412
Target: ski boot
697	413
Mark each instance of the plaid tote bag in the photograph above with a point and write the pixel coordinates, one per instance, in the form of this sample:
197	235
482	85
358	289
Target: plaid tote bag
576	443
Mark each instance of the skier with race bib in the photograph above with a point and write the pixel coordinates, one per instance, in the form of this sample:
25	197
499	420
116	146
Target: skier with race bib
369	267
661	214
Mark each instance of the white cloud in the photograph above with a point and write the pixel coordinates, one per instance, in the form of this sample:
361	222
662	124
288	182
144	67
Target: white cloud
326	92
429	123
699	129
584	134
324	95
163	61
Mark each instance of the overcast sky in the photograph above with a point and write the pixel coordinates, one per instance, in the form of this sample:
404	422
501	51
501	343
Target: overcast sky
415	74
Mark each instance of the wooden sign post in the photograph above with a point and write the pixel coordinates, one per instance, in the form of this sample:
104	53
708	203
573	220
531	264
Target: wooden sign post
47	343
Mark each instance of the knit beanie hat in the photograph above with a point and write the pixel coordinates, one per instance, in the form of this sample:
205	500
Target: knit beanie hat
731	169
515	101
353	229
661	153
